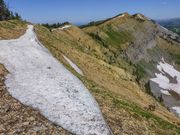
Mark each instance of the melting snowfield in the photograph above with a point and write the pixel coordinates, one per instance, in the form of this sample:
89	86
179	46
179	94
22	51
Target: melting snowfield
168	81
37	79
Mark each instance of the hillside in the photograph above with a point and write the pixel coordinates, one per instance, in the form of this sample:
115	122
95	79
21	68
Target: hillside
137	40
115	59
108	77
11	29
144	44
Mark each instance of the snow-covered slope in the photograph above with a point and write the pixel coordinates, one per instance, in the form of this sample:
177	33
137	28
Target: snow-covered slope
37	79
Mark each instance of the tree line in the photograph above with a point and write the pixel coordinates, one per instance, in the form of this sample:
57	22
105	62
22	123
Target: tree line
54	25
6	14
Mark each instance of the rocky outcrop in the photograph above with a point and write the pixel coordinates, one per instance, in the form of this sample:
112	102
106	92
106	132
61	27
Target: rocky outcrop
167	34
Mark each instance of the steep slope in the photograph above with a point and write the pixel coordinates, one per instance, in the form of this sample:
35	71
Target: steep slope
110	78
11	29
16	118
136	38
38	80
142	43
122	101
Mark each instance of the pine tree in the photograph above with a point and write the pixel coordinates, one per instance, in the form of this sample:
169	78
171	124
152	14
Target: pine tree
17	16
6	14
2	10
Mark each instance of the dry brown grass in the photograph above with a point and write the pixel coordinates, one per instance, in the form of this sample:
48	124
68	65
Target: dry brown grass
109	84
171	47
3	70
12	29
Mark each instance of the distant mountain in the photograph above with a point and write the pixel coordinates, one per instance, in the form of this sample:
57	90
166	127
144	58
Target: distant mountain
171	24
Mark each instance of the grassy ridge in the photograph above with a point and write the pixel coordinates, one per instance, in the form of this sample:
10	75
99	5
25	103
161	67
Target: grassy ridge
115	108
117	39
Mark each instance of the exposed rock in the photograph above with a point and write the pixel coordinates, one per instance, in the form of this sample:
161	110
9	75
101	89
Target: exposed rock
167	34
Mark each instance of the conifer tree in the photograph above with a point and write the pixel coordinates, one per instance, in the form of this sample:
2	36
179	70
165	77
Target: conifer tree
6	14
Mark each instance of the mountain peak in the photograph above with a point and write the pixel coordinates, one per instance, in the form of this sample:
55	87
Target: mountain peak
122	15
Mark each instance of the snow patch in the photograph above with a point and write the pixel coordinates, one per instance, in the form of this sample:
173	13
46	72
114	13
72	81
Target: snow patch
164	28
120	16
176	109
165	92
73	65
123	15
168	80
37	79
162	78
65	27
140	17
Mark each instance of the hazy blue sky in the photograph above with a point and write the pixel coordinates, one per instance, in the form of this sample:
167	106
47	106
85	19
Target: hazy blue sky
82	11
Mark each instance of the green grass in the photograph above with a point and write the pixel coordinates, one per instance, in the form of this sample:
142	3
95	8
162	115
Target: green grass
117	38
144	69
176	58
116	42
138	111
96	23
141	72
